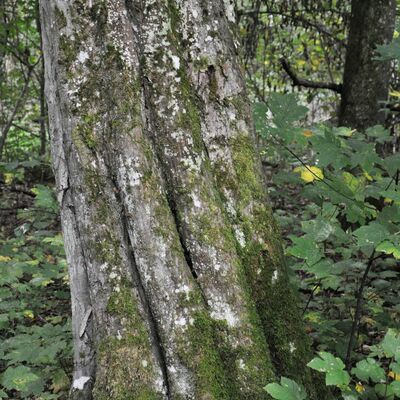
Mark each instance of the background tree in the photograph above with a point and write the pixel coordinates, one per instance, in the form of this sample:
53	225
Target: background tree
179	288
22	111
307	42
366	79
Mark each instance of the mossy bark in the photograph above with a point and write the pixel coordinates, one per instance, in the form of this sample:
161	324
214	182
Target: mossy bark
366	80
179	286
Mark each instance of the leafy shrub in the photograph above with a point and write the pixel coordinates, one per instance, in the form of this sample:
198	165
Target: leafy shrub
375	377
35	346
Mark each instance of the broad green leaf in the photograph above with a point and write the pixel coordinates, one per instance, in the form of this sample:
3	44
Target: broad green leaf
45	198
371	234
389	248
306	248
319	229
391	344
333	367
22	379
391	195
385	391
369	369
286	390
379	133
337	378
395	387
391	163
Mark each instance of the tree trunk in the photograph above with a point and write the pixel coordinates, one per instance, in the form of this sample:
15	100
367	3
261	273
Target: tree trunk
178	283
366	81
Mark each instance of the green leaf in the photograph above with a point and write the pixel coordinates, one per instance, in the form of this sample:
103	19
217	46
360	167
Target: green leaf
379	133
371	234
385	391
305	248
319	229
395	387
391	163
333	367
337	378
389	51
286	390
22	379
369	369
391	344
391	194
389	248
45	198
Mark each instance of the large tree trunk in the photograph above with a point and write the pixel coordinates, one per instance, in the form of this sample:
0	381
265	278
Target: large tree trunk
365	80
179	289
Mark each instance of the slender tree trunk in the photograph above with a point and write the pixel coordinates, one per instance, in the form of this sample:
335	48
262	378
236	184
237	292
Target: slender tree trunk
179	288
42	99
365	80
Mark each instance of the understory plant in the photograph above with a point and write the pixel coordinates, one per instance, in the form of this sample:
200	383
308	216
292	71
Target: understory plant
338	203
35	333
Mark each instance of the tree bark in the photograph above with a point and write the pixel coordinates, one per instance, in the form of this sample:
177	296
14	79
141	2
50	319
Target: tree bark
366	81
178	282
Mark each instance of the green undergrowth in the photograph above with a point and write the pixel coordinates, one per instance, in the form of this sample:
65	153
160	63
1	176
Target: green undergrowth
336	195
36	342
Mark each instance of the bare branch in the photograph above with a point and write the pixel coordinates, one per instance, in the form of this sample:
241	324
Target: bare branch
307	83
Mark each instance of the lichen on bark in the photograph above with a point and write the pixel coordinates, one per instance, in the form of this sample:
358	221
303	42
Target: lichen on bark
164	210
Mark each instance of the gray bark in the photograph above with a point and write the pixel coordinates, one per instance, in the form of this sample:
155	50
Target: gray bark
366	80
179	289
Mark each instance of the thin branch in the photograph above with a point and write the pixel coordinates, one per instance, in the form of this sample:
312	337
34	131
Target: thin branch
311	296
319	27
19	103
357	314
307	83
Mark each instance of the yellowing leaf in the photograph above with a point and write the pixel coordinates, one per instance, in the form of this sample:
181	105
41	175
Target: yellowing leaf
309	174
394	376
29	314
5	258
360	388
368	176
8	178
318	172
307	133
395	93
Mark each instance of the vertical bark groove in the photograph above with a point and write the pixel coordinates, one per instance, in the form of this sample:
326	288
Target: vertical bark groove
155	336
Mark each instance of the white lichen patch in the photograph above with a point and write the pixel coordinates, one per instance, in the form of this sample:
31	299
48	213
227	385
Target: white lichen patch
240	237
82	56
79	383
181	321
196	200
120	34
175	62
292	347
222	311
275	276
183	289
230	10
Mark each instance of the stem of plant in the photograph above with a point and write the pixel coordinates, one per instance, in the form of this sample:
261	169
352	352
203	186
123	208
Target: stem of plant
357	314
